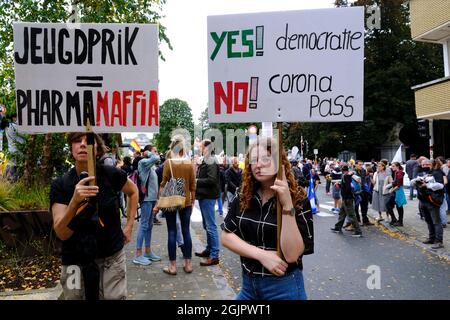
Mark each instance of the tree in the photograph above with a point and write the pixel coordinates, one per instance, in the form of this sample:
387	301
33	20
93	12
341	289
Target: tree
46	150
393	64
222	127
173	114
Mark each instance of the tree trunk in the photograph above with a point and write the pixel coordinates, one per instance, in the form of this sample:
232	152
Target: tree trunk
47	167
29	161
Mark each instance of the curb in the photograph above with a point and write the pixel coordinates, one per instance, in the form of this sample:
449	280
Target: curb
441	254
35	294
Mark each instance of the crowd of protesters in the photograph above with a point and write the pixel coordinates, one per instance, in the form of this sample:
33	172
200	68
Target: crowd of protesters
248	190
356	186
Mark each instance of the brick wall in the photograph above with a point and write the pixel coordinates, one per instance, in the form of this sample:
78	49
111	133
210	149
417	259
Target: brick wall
427	15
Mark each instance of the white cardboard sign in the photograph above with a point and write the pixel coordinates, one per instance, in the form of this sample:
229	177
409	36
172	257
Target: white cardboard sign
286	66
60	68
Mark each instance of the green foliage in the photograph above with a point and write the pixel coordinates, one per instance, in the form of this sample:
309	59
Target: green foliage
17	196
58	150
393	64
108	11
34	197
6	200
205	125
173	114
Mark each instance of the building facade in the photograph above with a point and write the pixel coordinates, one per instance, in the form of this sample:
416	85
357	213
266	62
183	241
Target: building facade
430	22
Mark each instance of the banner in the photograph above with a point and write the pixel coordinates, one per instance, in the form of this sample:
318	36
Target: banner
286	66
60	68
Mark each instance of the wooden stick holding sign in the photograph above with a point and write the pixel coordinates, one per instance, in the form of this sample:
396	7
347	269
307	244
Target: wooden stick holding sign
280	177
90	205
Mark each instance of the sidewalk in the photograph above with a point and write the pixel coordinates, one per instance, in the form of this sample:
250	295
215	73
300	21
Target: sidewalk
414	228
151	283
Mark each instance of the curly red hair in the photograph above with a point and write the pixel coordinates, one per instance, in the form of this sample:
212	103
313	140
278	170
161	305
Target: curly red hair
298	194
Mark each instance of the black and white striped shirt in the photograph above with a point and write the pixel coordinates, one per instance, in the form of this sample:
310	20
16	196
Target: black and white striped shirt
258	226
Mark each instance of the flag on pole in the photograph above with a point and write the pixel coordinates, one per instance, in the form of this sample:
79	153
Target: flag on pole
398	155
312	193
135	145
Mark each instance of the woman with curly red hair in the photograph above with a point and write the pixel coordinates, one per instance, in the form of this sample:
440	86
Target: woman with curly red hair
250	227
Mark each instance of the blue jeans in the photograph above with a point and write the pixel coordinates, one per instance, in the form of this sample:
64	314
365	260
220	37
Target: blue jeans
171	220
220	205
443	212
288	287
179	231
145	224
209	224
447	198
411	191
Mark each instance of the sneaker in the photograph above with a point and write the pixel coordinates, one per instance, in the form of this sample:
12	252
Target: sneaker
152	257
428	241
437	245
335	230
156	221
368	224
398	224
357	234
142	261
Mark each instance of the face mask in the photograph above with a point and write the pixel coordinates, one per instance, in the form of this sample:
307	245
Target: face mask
426	169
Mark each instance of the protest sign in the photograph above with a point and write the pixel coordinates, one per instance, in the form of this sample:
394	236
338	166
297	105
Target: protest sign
60	68
286	66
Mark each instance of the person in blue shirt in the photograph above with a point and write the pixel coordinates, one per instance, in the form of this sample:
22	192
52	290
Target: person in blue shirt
148	176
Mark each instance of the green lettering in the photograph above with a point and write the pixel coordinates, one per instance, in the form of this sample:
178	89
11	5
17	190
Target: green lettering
230	41
218	40
248	43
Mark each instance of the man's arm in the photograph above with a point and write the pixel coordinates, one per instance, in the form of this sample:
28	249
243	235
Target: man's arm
149	162
131	191
63	214
211	176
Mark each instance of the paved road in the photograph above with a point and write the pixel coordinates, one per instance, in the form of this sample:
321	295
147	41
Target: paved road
338	269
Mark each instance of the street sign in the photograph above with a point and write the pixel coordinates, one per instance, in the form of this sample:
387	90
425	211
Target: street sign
316	151
286	66
60	68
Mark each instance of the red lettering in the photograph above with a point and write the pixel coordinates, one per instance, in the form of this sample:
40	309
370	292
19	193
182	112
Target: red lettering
143	110
102	105
153	108
220	95
116	108
136	98
240	86
125	101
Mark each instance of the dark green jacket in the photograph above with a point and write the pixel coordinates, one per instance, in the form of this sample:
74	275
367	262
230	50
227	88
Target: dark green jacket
208	183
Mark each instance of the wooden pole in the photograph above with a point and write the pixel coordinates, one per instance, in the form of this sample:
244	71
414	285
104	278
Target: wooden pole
90	146
279	176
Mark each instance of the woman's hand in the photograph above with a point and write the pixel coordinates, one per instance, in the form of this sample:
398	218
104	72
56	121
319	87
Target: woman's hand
84	191
281	187
272	262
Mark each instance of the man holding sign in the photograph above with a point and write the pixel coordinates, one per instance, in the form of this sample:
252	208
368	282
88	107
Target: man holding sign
86	78
96	247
